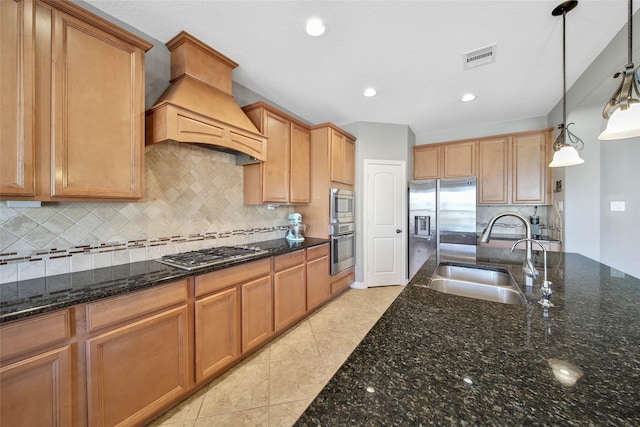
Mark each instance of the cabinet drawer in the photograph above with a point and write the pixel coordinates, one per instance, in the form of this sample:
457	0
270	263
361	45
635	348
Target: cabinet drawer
342	283
283	262
130	306
221	279
23	336
317	252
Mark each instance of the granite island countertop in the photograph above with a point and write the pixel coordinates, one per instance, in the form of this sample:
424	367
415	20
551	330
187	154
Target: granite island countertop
29	297
440	359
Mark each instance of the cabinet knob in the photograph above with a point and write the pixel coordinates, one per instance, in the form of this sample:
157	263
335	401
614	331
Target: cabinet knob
398	230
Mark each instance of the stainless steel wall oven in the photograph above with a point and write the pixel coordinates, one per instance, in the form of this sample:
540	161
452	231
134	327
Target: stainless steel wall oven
343	249
342	229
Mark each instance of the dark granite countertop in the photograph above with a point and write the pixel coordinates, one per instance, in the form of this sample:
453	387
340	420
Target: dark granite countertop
28	297
440	359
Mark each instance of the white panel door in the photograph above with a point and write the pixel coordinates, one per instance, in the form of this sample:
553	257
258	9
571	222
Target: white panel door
385	223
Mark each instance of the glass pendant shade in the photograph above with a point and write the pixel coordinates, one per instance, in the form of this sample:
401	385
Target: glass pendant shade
623	124
566	156
622	112
567	143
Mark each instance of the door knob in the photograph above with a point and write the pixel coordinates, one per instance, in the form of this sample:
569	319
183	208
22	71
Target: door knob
398	230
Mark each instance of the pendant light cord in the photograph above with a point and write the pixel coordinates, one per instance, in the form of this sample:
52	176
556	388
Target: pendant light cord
630	31
564	70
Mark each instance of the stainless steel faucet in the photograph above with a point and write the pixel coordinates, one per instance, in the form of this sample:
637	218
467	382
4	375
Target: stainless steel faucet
545	289
527	266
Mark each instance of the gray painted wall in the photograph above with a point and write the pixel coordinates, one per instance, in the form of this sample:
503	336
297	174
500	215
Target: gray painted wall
611	171
487	129
376	141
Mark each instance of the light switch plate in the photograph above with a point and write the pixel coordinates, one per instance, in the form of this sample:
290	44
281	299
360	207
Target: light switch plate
617	206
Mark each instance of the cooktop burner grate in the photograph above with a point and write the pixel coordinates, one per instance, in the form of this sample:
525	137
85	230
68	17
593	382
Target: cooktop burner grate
208	257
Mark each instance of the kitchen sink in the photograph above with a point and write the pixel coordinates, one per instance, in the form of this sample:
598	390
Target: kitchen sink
480	282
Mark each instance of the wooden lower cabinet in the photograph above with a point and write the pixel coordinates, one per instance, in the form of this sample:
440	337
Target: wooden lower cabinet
135	368
318	290
36	373
342	280
37	391
123	360
217	332
257	312
289	289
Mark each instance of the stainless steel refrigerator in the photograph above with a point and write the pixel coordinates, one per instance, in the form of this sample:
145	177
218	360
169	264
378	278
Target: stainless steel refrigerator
442	220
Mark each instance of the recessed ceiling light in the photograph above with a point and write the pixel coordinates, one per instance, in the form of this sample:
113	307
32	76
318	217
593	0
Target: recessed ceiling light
468	97
315	26
369	92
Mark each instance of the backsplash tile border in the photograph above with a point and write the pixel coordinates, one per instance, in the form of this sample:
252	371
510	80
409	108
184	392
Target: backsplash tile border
41	263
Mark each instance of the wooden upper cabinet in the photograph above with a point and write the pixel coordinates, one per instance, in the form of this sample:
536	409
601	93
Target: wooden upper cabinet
300	161
459	159
531	178
426	161
284	176
17	67
275	171
511	168
98	100
350	161
342	160
452	160
493	171
88	106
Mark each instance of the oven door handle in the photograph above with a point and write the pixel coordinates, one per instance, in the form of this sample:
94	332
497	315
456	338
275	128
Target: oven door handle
342	236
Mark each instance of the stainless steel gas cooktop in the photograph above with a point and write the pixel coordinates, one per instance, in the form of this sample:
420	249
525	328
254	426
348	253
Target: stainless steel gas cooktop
208	257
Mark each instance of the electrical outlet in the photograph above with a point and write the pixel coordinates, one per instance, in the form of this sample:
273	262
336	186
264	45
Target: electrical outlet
617	207
560	205
616	273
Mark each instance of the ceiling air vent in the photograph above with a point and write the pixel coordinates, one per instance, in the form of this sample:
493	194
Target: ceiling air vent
478	57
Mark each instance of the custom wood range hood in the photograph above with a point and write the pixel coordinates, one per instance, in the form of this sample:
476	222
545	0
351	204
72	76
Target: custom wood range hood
198	107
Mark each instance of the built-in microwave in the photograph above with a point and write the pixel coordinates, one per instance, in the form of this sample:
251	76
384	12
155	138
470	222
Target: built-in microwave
342	206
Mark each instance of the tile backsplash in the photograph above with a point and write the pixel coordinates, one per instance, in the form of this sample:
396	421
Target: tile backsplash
549	223
193	199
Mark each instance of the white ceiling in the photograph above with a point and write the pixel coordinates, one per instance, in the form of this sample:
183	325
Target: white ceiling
410	51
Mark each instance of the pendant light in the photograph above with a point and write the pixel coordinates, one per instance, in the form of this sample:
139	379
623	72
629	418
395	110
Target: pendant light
623	111
567	144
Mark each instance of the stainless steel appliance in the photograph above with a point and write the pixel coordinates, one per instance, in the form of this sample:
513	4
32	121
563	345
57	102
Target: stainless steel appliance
343	247
342	229
207	257
296	228
341	206
442	216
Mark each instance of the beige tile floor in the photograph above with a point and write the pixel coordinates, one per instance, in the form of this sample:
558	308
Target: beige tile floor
274	386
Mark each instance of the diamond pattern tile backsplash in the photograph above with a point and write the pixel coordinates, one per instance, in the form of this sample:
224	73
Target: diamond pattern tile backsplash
193	199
